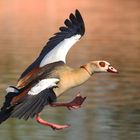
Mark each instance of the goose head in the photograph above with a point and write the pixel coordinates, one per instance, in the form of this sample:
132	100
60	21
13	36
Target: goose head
100	66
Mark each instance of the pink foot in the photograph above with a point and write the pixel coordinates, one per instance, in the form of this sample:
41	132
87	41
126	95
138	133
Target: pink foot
74	104
52	125
59	127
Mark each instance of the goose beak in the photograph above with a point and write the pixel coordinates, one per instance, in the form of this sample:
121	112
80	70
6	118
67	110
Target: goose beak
112	70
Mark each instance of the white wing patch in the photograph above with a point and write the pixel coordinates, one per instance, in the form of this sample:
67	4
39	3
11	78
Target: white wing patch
60	51
43	84
11	89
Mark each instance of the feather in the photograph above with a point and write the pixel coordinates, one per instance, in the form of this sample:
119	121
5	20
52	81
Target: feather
60	43
33	104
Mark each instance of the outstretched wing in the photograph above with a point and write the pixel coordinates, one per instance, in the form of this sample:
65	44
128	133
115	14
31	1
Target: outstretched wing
33	104
58	46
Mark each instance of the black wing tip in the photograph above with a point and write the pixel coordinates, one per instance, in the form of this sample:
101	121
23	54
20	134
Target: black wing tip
75	23
72	26
81	22
77	12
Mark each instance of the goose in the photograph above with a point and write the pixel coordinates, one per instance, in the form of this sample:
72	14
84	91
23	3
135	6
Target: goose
48	77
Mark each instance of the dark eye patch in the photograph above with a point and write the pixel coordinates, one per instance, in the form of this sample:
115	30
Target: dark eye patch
102	64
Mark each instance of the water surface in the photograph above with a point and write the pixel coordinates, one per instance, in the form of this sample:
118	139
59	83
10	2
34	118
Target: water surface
112	108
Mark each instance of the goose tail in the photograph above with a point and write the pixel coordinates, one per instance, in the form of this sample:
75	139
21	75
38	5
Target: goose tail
6	109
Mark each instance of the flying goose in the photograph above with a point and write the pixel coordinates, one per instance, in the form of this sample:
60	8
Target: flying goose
49	76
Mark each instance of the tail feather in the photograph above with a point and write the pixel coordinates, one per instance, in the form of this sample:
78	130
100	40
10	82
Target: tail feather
11	92
6	109
5	114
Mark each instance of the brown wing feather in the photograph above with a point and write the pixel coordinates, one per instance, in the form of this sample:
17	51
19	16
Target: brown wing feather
38	72
19	97
28	78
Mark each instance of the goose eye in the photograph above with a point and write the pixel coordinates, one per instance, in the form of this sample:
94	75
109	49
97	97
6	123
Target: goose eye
102	64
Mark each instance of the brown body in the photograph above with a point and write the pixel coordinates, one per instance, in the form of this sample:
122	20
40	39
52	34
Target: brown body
68	77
